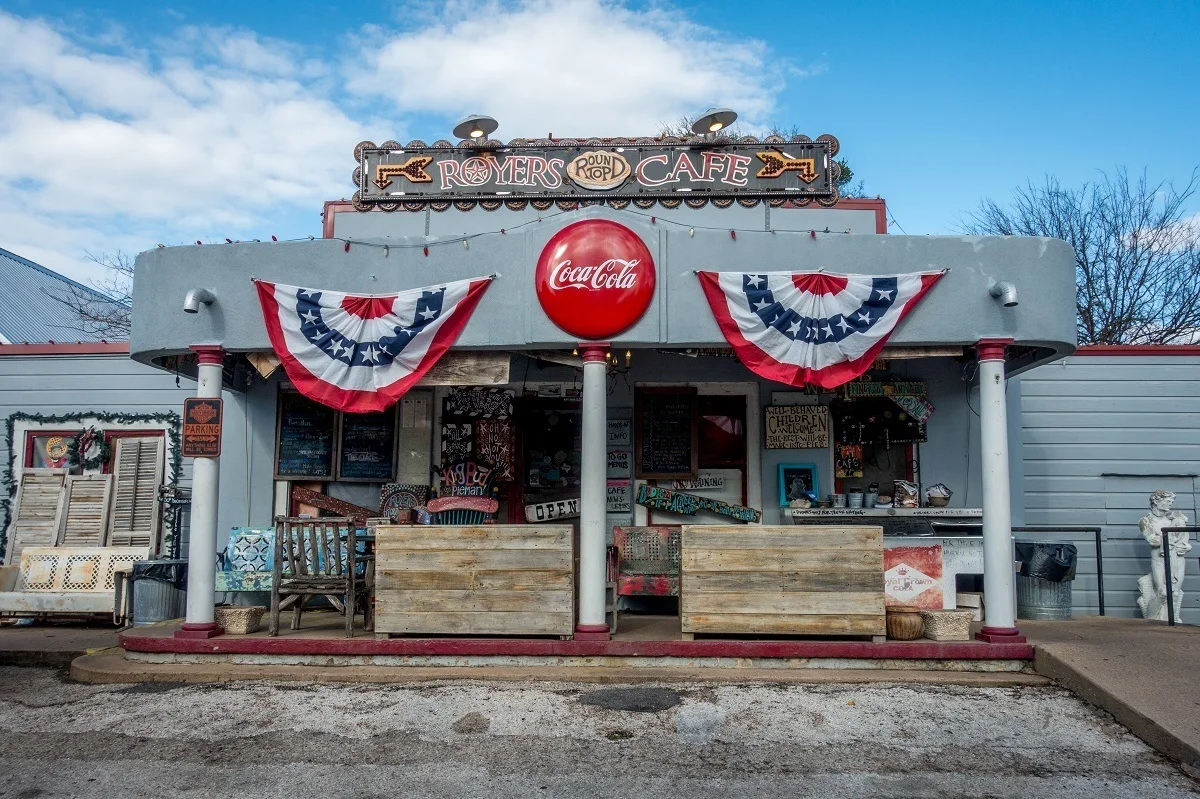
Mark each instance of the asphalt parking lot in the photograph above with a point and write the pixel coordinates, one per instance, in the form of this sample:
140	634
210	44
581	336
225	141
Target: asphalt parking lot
475	739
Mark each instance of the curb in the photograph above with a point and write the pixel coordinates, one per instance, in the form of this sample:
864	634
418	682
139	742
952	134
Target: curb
105	668
1048	664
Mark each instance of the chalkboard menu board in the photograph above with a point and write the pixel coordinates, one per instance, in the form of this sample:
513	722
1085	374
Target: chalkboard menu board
304	438
367	451
665	420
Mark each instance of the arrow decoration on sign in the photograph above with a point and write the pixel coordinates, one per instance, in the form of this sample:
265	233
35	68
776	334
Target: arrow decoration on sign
775	164
413	169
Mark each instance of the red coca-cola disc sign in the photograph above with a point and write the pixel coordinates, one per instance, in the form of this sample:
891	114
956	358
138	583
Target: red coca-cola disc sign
595	278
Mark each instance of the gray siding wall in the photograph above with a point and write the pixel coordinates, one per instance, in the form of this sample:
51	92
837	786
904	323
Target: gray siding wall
1100	433
62	384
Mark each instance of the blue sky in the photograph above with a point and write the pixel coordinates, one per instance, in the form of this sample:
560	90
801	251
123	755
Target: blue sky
131	123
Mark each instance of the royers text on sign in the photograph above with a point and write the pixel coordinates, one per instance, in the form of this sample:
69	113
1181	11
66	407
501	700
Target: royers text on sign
202	427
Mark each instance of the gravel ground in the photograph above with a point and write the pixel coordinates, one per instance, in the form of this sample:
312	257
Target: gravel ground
467	739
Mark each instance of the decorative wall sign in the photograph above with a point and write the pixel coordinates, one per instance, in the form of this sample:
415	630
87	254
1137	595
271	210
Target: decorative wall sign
913	576
467	479
620	432
367	449
397	497
916	407
458	442
811	327
595	278
620	463
644	171
304	438
494	445
701	482
797	480
618	497
895	388
797	427
552	511
202	427
677	502
848	461
665	421
479	403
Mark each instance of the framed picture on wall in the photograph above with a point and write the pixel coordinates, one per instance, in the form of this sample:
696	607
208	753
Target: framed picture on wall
797	480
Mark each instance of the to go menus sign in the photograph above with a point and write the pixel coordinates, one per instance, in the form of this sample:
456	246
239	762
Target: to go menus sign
619	171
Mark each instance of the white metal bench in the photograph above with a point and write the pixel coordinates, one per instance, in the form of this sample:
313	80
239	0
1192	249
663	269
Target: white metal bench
65	580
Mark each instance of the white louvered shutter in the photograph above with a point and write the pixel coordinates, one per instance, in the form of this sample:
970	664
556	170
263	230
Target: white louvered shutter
137	474
37	511
85	518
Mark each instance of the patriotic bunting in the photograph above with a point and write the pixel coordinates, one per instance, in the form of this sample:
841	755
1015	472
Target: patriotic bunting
811	327
361	353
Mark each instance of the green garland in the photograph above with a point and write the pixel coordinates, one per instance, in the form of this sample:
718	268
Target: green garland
8	483
83	441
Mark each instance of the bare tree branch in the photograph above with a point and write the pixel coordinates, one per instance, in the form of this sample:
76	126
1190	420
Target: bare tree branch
1137	252
104	311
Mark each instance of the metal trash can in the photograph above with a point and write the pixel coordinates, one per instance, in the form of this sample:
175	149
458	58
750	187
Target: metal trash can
1044	583
156	591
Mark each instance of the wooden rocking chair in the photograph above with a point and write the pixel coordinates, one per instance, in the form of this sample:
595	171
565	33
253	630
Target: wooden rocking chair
319	557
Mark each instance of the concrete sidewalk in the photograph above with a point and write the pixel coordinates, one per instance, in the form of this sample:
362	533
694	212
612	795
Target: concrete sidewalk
1142	672
53	644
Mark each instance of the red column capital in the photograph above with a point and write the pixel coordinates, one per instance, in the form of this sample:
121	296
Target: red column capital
992	349
594	351
209	354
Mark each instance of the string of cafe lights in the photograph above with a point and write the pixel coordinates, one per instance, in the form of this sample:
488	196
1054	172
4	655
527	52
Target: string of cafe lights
465	239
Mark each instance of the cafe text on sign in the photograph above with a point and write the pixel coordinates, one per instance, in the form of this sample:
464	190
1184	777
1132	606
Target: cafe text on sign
595	278
202	427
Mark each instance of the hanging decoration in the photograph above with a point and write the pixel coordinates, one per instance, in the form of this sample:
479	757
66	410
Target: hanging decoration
361	353
89	450
811	327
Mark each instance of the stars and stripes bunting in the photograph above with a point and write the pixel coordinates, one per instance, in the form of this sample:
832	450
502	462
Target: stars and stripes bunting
361	353
811	327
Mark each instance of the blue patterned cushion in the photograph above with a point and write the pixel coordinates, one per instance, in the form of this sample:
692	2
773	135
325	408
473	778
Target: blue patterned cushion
250	550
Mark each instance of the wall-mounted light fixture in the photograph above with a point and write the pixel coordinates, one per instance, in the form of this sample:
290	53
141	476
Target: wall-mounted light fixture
476	127
713	120
1005	292
197	297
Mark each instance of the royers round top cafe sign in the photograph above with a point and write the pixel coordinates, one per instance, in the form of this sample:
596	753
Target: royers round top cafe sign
595	279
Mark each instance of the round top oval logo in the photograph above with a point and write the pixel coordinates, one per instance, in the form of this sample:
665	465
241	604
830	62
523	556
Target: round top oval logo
595	278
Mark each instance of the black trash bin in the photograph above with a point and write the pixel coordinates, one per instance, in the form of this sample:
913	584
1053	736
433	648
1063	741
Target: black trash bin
1044	582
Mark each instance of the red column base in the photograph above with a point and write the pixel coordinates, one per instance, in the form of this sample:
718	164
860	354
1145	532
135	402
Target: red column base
592	632
1000	635
202	630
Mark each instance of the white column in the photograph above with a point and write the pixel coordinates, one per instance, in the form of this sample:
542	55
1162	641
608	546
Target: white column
593	569
999	584
202	530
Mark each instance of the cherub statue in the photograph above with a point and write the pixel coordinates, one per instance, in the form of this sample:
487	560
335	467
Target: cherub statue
1153	599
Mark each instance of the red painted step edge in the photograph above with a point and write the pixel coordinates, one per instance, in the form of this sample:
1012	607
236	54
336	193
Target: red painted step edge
711	648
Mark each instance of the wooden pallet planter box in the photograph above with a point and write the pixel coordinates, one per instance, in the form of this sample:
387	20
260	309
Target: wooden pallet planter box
795	580
490	579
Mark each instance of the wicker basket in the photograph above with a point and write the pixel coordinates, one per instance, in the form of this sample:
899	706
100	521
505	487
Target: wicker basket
240	619
948	625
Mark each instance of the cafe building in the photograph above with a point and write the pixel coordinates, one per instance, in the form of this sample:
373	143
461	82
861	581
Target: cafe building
560	387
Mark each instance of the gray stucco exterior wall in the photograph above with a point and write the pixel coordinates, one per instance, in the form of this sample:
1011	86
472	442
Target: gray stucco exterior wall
958	311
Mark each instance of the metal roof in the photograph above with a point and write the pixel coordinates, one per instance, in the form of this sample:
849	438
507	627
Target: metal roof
29	310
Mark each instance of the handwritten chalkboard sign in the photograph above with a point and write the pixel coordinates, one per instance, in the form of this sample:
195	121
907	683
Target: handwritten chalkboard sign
367	451
304	438
666	428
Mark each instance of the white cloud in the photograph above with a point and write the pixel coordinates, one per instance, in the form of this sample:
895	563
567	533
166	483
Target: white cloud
119	141
571	67
220	134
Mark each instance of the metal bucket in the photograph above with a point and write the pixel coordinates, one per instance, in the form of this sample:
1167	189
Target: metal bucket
1039	599
152	593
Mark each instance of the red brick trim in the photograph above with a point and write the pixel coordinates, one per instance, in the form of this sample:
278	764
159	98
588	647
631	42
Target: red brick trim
139	641
76	348
1138	349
